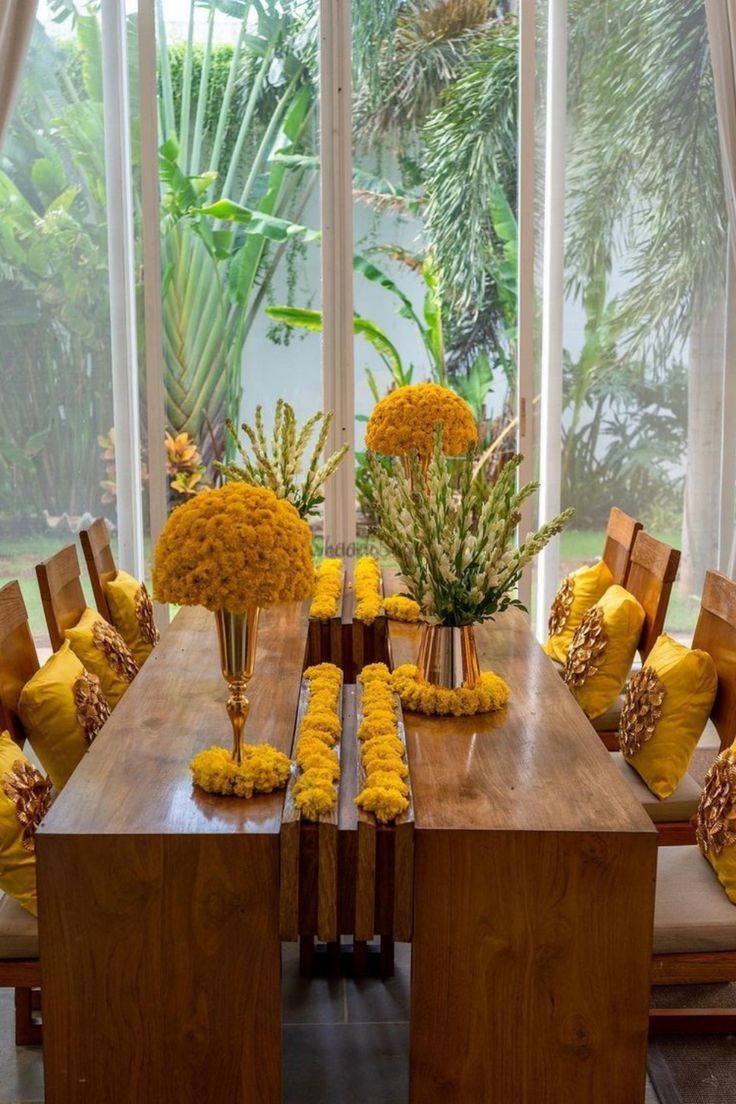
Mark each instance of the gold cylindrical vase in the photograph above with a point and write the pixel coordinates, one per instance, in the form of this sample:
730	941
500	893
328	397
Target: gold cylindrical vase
448	656
237	636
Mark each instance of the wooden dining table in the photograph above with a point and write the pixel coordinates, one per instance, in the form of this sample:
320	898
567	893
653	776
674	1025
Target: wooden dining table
533	887
534	874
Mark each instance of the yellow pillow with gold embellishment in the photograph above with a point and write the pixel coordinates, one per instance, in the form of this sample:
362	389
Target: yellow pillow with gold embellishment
577	593
602	650
131	610
666	706
62	709
104	653
25	797
715	823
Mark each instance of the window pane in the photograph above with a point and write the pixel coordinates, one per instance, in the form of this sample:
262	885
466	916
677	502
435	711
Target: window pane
645	271
57	458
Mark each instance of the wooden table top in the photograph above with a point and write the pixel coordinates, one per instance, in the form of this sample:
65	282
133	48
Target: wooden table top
135	778
535	766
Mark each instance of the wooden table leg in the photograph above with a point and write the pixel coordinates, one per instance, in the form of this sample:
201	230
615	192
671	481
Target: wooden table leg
161	969
530	967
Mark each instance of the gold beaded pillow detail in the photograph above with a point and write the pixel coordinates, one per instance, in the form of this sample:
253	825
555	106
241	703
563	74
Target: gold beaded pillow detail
602	650
577	593
715	828
666	706
131	610
25	798
62	708
103	652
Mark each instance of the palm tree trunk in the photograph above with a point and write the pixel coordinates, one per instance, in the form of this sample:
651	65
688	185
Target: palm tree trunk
700	523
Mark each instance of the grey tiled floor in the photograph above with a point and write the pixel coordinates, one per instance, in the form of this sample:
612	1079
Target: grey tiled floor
343	1041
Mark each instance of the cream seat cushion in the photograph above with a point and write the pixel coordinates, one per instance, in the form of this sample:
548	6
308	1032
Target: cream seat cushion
18	930
678	806
691	913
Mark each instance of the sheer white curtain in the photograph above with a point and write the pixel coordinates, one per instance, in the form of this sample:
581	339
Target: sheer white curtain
16	24
721	16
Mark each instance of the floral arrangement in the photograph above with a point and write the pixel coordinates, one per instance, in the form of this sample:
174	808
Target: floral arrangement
398	607
454	547
315	791
382	752
279	464
328	590
419	696
368	590
404	421
232	548
262	770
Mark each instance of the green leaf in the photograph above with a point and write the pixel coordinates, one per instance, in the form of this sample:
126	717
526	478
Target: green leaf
257	222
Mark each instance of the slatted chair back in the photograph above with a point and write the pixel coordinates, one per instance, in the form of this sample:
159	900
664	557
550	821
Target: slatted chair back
715	633
100	561
18	658
620	536
652	571
59	580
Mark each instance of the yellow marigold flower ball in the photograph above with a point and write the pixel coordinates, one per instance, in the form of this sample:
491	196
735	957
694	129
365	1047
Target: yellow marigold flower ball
234	547
314	779
375	724
322	721
368	595
385	804
385	761
319	760
375	673
384	742
405	419
263	769
314	802
387	780
327	672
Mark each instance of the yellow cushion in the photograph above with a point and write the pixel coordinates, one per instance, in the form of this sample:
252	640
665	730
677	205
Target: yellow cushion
132	614
104	653
666	706
577	593
601	652
25	796
62	708
716	820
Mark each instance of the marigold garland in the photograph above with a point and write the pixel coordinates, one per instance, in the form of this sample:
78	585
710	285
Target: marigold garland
368	591
399	608
262	770
231	548
315	791
383	755
419	696
406	418
328	590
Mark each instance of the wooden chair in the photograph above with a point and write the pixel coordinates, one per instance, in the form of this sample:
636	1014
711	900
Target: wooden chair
18	657
652	571
621	533
59	580
715	633
20	968
694	940
100	562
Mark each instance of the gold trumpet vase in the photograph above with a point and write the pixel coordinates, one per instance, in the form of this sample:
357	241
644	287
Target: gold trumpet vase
237	635
448	656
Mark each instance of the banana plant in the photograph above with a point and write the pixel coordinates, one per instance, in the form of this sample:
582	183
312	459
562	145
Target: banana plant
228	212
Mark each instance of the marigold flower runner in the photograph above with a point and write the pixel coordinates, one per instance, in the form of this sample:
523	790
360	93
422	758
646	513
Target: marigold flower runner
326	614
312	796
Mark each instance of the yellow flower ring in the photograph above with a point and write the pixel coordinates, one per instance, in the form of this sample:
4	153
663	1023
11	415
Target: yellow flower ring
262	770
368	590
327	590
382	752
399	608
418	696
315	791
231	548
406	418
